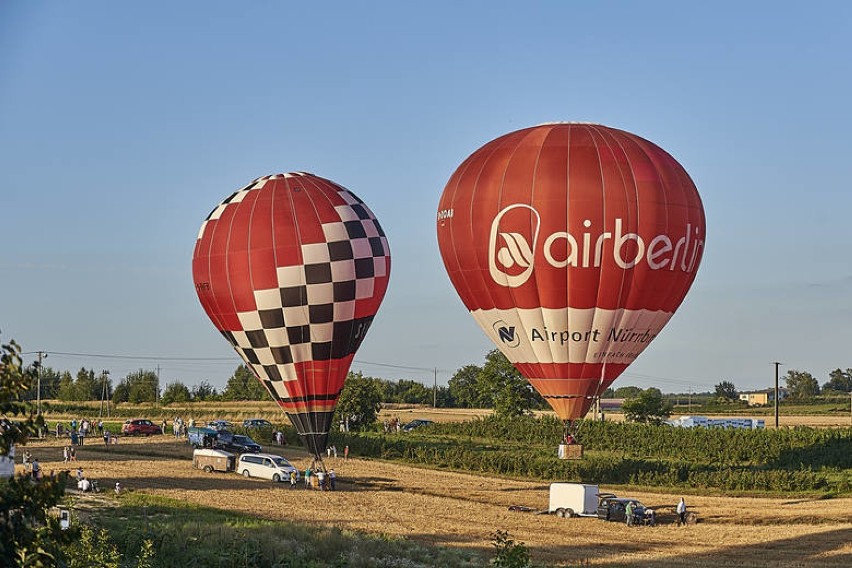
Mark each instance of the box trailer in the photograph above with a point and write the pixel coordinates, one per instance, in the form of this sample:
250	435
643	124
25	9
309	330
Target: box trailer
574	499
213	460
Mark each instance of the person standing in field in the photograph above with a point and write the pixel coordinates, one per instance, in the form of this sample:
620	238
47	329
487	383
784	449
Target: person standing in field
681	512
308	477
293	479
628	513
346	453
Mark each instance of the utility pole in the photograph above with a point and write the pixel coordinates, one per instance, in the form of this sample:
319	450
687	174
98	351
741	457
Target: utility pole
157	394
41	357
435	390
104	393
777	364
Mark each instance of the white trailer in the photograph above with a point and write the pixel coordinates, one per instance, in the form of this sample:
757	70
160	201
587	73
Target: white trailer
574	499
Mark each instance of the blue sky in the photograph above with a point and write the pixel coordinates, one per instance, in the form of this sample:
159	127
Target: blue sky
122	126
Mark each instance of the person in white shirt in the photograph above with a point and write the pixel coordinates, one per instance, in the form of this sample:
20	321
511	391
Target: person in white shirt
681	512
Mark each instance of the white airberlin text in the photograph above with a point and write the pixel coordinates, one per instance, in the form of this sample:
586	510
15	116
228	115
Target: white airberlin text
661	251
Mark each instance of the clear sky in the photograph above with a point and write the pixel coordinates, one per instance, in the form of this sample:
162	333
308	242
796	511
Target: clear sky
123	124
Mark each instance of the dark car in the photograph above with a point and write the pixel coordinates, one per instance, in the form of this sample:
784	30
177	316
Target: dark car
612	508
257	423
236	444
140	427
220	425
417	423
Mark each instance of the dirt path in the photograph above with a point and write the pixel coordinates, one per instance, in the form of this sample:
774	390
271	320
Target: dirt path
462	510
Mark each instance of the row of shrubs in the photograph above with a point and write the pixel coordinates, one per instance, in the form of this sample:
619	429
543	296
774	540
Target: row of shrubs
788	448
530	462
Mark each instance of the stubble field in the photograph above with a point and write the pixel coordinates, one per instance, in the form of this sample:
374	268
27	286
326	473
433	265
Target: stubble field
459	510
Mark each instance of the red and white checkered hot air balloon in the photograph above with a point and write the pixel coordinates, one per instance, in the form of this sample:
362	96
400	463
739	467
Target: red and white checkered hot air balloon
571	245
291	270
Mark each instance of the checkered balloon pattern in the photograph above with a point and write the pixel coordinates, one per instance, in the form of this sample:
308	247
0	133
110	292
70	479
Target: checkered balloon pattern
291	269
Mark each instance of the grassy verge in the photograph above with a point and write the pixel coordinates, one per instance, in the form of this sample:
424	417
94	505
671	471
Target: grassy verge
187	536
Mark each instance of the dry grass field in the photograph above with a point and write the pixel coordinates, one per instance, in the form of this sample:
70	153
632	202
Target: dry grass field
459	510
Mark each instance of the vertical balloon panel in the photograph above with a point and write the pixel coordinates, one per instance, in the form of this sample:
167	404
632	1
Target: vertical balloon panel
291	269
571	245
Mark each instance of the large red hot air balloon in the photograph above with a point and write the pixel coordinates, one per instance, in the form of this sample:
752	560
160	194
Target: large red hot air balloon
291	270
571	245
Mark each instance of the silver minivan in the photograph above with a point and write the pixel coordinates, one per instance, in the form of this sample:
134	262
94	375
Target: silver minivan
266	466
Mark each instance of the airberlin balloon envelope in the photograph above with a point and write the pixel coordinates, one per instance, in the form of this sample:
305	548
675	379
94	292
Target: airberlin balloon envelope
291	270
571	245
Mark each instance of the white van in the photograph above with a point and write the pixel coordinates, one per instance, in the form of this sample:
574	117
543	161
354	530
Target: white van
266	466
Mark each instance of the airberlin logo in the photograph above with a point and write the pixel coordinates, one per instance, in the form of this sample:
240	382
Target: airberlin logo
512	254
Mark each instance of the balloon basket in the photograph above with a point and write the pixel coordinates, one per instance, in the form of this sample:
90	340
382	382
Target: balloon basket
570	451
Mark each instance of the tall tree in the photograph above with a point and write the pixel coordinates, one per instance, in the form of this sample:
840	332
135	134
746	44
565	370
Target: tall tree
727	391
510	393
464	388
136	387
649	407
801	384
359	403
243	385
204	391
28	535
839	380
627	392
175	392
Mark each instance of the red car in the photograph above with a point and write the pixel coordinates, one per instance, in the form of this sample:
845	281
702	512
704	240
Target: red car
140	427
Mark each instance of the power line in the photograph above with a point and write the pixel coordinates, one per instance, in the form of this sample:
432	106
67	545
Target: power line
207	359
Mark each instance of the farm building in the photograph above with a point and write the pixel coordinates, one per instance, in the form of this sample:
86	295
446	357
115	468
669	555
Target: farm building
760	397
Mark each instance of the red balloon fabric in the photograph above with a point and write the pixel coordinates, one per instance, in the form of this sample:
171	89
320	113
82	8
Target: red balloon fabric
291	270
571	245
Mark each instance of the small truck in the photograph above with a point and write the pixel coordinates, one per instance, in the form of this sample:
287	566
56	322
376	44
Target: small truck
213	460
573	500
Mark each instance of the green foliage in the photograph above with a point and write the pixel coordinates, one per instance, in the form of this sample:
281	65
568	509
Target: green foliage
497	385
839	381
243	385
94	548
801	384
359	403
789	461
204	391
406	391
648	408
86	386
510	393
175	392
28	537
463	387
726	391
137	387
627	392
510	554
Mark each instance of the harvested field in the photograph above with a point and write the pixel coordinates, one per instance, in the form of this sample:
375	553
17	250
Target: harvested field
459	510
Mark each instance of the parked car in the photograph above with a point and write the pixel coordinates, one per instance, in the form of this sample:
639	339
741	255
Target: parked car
257	423
417	423
266	466
612	508
140	427
236	444
220	425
